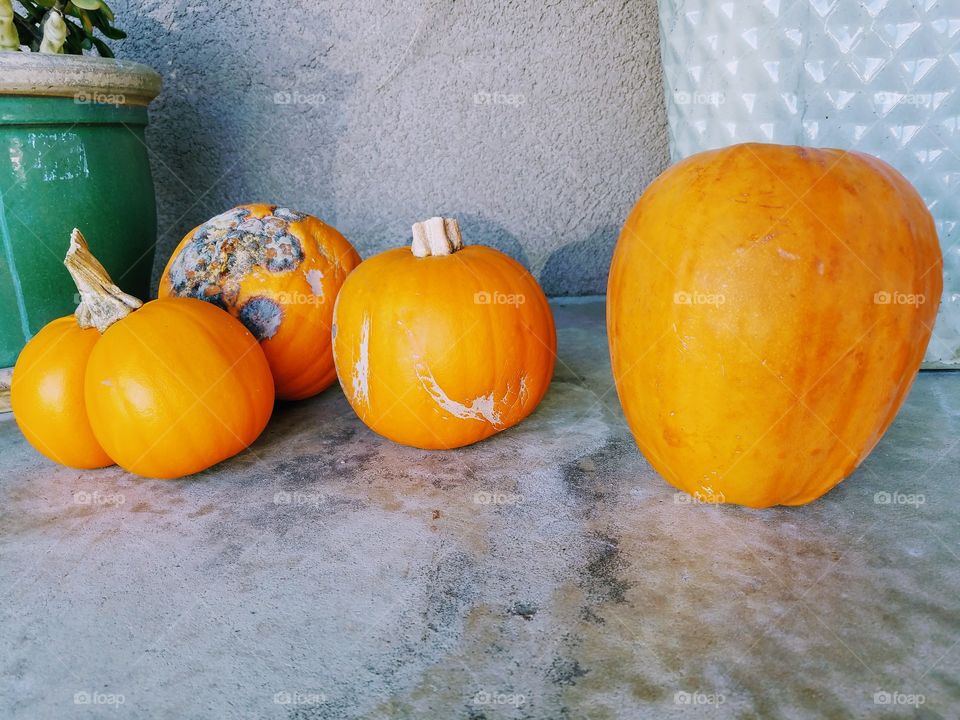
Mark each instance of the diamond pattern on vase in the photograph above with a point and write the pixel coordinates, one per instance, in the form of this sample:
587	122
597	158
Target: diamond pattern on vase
880	76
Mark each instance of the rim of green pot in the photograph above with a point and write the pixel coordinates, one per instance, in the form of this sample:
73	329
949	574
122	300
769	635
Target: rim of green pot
78	77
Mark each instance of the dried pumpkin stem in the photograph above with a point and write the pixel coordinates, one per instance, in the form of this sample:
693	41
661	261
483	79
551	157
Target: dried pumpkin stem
101	302
436	236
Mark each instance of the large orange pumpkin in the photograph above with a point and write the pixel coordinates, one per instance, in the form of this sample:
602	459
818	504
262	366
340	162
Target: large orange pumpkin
440	345
278	271
168	389
769	307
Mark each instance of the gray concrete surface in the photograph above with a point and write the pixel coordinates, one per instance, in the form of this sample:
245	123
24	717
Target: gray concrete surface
537	124
545	573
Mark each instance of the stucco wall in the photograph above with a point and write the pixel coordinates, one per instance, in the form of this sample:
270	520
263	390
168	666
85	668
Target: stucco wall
538	124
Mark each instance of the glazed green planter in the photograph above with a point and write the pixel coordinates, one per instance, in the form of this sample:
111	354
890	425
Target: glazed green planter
72	154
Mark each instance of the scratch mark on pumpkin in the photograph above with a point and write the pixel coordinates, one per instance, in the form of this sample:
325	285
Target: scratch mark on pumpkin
787	255
480	408
361	369
315	280
511	400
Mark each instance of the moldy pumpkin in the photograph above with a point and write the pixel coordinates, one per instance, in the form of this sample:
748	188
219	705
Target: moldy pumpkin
277	271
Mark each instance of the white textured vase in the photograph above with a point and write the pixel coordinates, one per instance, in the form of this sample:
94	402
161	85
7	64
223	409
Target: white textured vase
880	76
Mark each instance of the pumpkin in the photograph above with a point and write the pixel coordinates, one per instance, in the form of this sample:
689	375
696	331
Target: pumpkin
164	389
278	271
441	345
46	395
768	310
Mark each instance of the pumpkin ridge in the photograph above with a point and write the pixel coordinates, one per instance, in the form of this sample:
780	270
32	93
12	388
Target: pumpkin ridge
146	356
488	268
521	284
214	341
207	448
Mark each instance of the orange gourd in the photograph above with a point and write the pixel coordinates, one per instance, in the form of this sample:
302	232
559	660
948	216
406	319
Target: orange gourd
768	309
278	272
46	394
163	390
440	345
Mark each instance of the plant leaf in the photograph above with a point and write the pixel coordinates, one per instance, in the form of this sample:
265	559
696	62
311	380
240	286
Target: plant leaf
25	31
73	43
105	27
113	33
87	24
26	28
102	48
35	11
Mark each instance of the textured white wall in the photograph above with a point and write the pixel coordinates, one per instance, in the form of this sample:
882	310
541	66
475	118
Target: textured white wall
537	123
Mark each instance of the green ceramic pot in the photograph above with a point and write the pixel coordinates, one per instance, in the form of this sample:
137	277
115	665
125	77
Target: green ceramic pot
72	154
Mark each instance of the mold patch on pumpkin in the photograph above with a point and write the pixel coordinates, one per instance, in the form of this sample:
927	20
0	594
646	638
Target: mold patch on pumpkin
288	214
262	317
227	248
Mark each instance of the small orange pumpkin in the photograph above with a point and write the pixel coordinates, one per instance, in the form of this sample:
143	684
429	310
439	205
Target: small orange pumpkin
168	389
278	272
768	309
46	394
440	345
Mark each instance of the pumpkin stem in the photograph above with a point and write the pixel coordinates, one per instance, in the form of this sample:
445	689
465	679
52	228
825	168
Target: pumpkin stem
101	302
436	236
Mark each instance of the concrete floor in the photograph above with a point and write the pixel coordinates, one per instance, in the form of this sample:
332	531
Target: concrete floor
328	573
